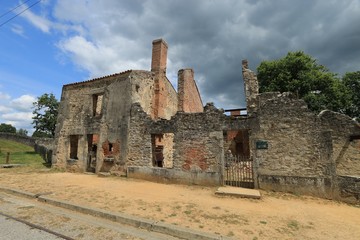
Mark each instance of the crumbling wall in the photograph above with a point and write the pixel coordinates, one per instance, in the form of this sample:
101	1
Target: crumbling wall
292	151
80	116
346	150
168	100
143	84
139	138
44	147
348	189
197	147
251	88
199	142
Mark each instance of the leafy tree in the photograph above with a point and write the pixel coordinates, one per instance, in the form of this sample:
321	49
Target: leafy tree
299	73
8	128
22	132
351	81
41	134
45	115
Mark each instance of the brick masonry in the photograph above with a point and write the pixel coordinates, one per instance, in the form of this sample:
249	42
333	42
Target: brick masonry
189	99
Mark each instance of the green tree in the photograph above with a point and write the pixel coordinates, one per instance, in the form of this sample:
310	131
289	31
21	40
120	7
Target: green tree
45	115
22	132
300	73
8	128
351	81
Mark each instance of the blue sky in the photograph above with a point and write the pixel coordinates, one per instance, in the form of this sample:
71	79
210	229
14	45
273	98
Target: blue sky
62	41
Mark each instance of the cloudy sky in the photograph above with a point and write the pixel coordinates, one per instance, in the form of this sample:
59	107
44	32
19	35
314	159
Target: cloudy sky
56	42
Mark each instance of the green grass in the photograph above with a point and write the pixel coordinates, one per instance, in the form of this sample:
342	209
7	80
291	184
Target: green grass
19	154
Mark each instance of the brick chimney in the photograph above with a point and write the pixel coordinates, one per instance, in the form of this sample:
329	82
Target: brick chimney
189	99
159	55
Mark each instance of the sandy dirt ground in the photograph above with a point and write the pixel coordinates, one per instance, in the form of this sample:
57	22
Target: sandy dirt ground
274	216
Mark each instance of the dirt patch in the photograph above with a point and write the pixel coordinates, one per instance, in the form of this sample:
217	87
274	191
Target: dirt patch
275	216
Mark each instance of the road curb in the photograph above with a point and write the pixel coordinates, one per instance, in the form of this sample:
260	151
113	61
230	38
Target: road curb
18	192
134	221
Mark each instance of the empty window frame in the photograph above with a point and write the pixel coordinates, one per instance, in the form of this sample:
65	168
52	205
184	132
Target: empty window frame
162	150
74	143
97	104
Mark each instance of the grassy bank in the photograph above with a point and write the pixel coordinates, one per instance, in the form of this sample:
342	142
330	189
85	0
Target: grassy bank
19	154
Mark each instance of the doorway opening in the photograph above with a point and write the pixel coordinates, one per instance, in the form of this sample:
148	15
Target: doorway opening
92	140
238	163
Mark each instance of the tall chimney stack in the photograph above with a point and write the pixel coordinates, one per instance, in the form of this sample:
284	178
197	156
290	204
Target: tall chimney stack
159	55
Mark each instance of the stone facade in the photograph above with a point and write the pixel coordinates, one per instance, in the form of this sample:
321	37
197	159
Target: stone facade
134	123
94	129
305	153
196	149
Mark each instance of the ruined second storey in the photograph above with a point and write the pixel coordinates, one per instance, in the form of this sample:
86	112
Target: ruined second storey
95	114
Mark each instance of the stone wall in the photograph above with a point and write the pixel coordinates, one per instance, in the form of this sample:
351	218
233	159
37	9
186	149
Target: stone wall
293	135
298	155
304	153
348	189
168	101
197	147
77	117
18	138
251	88
44	147
346	151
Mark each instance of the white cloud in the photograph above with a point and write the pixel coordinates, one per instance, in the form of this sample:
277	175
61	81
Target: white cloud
212	37
17	112
17	116
38	21
23	103
4	109
4	96
19	30
101	58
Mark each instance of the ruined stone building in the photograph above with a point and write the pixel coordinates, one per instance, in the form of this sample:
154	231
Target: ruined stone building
136	124
94	129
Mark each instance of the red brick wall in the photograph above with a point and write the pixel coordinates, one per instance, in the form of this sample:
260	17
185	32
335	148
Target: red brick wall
189	99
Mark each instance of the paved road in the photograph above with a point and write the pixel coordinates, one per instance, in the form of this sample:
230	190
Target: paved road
68	223
11	229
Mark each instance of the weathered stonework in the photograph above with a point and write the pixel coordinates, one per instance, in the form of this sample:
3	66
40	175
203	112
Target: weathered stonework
135	123
251	88
197	145
95	129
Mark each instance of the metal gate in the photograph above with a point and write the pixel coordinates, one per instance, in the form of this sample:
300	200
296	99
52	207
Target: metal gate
239	172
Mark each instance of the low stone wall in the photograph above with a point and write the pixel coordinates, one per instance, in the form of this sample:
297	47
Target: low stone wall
18	138
348	189
44	147
166	175
314	186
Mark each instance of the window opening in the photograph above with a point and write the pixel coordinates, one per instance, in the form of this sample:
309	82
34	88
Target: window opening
162	150
97	104
74	142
